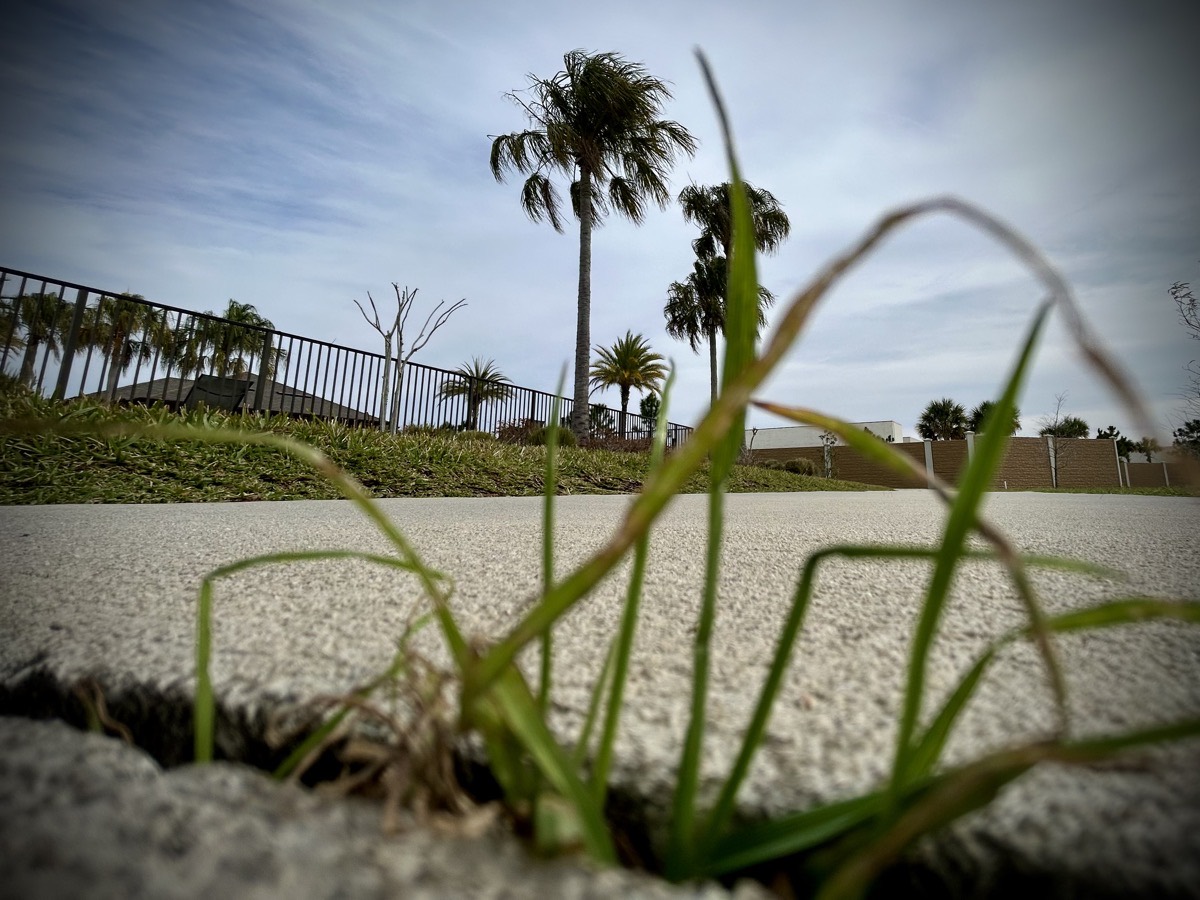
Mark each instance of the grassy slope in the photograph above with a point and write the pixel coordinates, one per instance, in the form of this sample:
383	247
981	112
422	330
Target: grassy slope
45	468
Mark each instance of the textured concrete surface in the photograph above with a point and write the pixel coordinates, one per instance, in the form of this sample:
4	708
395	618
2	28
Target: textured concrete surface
109	593
88	816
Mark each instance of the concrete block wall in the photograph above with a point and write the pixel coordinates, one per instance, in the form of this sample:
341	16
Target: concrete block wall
1026	463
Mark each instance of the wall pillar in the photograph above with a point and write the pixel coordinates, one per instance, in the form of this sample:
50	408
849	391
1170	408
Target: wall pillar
1050	449
929	457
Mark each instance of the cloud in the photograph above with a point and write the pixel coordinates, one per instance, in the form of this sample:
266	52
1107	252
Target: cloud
297	155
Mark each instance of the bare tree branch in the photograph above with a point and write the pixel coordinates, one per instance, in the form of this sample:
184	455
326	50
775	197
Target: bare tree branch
389	399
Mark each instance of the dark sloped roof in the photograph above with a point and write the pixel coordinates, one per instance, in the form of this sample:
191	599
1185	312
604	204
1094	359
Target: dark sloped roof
277	398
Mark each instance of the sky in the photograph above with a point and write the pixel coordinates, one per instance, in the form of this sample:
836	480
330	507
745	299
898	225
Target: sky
296	155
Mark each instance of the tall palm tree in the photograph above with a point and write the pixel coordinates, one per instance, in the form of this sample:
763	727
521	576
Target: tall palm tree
597	123
629	363
480	382
979	415
695	310
943	420
708	207
40	320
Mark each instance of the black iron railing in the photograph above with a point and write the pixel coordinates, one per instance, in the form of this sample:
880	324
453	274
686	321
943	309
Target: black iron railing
71	340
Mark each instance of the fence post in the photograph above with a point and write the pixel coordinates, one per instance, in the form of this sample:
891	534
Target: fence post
1117	456
1052	450
1166	476
264	367
68	350
970	446
928	457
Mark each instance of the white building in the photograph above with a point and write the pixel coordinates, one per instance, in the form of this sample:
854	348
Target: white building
790	436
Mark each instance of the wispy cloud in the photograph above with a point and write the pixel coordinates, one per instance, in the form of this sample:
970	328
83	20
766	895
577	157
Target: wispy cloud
296	155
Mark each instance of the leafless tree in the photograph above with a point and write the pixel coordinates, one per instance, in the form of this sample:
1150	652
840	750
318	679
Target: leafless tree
389	401
1189	314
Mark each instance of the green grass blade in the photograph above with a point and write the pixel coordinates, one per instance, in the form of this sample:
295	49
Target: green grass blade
741	317
548	494
723	809
204	710
975	785
786	835
962	518
519	710
318	736
629	618
1127	611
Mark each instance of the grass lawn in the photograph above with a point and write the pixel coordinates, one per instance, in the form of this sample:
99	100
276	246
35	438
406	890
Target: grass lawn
1175	491
41	467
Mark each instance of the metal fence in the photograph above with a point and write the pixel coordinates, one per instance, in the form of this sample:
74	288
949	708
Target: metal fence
70	340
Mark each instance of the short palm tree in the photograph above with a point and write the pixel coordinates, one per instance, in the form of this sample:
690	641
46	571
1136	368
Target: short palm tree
695	310
627	364
943	420
979	415
598	124
480	382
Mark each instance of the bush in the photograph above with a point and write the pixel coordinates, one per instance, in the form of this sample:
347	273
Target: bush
566	437
475	436
775	464
616	443
801	466
518	432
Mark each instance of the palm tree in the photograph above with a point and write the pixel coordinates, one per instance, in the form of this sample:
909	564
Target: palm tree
480	382
942	420
238	340
695	310
629	363
596	123
41	319
124	329
708	206
978	418
9	332
227	344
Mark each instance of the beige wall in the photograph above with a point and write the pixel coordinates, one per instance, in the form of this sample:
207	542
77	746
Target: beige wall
1026	463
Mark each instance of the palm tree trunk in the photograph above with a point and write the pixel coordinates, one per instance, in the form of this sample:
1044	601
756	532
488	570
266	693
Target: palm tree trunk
583	330
31	349
712	364
624	407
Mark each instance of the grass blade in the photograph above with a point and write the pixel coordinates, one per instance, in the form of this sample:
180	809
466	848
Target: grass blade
548	494
519	710
741	317
976	785
629	618
204	710
963	516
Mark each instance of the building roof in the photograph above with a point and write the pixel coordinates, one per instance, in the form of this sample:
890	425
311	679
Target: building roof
277	398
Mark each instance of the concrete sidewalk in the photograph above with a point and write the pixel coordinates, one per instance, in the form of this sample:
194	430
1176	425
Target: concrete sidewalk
109	592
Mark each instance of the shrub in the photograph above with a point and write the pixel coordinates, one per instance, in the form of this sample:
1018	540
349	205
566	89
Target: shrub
801	466
617	443
520	432
775	464
566	437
